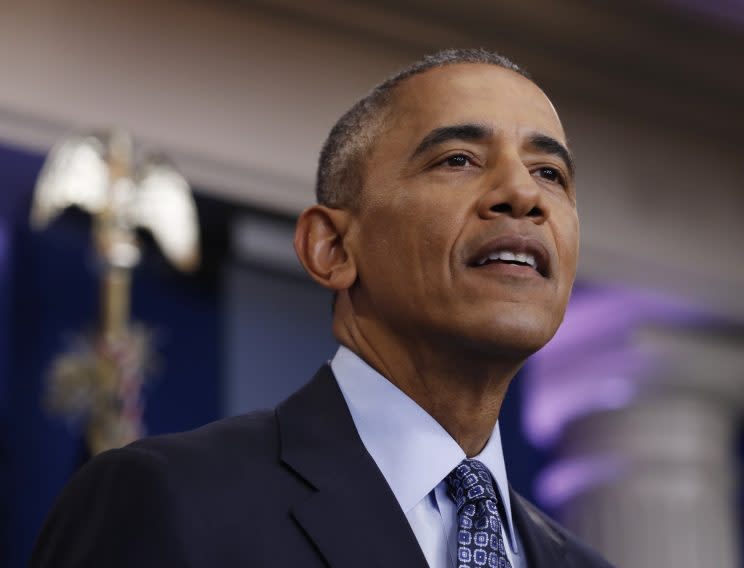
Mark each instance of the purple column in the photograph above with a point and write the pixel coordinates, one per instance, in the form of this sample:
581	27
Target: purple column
639	396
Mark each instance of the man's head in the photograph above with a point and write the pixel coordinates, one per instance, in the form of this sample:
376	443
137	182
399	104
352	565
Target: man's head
436	194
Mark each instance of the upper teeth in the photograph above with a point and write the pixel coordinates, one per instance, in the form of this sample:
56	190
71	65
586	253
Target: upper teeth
510	256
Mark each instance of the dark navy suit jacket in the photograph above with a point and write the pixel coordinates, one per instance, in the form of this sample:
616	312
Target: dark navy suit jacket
291	487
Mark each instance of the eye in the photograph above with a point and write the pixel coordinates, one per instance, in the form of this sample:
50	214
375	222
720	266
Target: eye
457	161
550	174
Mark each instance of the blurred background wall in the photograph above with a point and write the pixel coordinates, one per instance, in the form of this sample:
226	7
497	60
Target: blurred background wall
627	426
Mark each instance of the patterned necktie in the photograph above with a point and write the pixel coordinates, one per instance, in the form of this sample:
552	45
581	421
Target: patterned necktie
479	540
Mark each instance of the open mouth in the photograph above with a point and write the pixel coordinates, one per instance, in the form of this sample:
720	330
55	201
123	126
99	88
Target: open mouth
509	257
513	250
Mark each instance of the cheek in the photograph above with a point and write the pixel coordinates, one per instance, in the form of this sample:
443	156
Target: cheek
432	229
385	245
409	241
567	241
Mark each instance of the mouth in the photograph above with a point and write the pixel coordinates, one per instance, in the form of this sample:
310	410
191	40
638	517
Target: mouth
513	250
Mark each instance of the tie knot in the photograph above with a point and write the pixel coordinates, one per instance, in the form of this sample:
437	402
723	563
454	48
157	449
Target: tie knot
469	483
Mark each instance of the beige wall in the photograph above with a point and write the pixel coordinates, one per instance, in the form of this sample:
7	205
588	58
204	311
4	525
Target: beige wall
242	98
239	92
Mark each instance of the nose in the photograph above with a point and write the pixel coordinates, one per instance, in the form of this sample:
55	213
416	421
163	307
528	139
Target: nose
512	191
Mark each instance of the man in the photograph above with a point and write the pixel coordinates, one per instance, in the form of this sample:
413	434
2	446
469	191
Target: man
446	224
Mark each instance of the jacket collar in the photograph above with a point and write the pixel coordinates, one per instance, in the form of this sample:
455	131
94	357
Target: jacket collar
352	516
543	543
412	450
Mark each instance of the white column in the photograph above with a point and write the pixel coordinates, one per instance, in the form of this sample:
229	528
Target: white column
642	408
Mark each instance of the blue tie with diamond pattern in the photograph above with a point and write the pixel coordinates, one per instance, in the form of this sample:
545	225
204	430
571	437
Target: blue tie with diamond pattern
479	540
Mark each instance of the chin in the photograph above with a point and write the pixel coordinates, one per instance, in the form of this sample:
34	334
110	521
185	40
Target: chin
516	333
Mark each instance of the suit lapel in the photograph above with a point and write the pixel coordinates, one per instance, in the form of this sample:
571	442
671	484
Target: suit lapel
352	517
545	547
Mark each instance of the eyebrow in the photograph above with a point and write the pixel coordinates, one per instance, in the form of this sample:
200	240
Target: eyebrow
474	132
455	132
550	145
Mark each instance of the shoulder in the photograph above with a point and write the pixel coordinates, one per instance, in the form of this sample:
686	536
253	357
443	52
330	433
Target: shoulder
180	499
218	449
211	464
578	554
249	438
169	493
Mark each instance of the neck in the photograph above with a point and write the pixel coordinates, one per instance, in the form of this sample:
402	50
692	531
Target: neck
461	389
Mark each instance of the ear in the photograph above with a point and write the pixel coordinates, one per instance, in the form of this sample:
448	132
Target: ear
320	246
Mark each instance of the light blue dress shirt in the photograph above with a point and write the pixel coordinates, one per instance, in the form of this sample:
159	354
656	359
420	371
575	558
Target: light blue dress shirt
415	454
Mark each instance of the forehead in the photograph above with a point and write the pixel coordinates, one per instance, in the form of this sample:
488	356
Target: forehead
473	92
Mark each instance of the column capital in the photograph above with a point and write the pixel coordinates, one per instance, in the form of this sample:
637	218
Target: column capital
617	346
639	395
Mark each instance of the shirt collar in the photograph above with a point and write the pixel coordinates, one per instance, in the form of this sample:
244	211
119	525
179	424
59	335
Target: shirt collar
412	450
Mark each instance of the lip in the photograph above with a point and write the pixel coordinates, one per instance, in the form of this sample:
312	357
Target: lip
515	243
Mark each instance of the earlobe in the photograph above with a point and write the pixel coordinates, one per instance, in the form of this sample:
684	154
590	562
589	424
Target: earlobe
321	247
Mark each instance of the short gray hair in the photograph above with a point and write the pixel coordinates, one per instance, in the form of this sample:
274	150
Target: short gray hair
341	165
